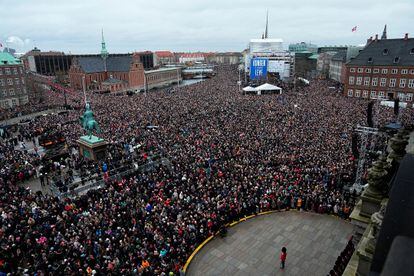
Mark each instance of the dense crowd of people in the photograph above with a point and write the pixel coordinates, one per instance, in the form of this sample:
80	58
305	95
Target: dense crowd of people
231	155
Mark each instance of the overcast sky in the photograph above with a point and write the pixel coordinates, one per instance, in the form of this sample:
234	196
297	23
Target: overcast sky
195	25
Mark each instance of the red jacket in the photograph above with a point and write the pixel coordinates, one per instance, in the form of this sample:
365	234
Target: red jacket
283	256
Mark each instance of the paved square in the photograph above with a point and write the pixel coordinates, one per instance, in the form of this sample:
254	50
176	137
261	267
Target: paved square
252	247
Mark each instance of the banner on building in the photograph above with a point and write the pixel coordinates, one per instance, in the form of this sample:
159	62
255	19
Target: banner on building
258	68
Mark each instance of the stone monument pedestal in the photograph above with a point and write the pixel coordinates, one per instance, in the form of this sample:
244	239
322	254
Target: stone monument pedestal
92	147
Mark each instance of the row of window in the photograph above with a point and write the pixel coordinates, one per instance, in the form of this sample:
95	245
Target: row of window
383	71
383	82
12	92
9	71
6	104
10	81
378	95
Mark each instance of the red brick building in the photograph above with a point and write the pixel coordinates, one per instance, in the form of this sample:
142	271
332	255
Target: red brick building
384	69
164	57
115	73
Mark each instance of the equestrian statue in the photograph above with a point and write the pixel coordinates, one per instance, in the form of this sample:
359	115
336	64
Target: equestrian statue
88	121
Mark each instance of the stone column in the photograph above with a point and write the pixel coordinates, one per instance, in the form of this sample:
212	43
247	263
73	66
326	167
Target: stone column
378	179
398	144
366	247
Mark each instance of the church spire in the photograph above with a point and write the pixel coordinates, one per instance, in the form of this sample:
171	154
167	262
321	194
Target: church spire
384	33
104	52
267	23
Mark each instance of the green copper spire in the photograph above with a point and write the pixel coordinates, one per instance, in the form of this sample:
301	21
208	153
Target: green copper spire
104	52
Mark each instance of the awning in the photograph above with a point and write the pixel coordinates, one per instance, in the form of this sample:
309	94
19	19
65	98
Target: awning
249	89
268	87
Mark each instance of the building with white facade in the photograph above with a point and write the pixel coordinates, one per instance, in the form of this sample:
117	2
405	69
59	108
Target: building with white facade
279	60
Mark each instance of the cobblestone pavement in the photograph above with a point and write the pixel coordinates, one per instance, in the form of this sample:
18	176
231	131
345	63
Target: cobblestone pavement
253	247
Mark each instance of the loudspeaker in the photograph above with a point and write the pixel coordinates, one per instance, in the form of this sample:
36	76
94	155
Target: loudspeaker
396	106
369	114
355	151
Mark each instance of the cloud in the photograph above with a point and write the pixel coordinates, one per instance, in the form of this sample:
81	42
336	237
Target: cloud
184	25
18	43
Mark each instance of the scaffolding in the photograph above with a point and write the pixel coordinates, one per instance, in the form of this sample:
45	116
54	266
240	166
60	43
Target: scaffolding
368	138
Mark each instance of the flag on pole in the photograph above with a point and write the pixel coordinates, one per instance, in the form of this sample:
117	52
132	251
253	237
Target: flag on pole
354	29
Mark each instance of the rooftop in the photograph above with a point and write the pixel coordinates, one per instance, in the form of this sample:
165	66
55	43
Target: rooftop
92	64
164	54
314	56
162	70
8	59
386	52
340	56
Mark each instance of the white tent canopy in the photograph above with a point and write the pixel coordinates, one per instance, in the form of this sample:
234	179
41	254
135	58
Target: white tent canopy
266	88
249	89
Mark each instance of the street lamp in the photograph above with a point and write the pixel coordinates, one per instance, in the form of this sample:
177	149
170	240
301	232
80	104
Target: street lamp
178	79
84	87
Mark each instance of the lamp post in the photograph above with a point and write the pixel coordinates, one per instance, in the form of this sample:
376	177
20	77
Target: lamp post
145	84
84	87
178	79
239	82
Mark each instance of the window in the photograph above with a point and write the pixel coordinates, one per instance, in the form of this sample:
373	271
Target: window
394	71
384	71
370	60
374	81
359	81
385	52
357	93
15	71
367	80
401	96
350	92
4	92
16	81
351	80
412	72
404	71
7	71
22	80
373	94
411	83
376	71
352	70
2	82
1	71
11	92
367	70
383	82
402	83
9	81
360	70
18	91
14	102
412	51
409	97
396	59
365	93
21	70
392	82
381	94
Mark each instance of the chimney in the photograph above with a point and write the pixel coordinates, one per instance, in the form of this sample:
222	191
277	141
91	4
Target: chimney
406	36
376	37
369	40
